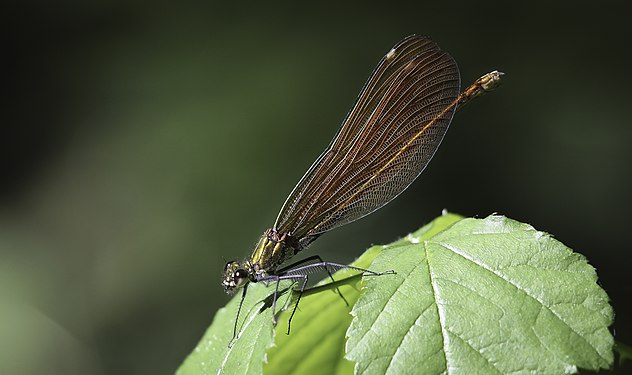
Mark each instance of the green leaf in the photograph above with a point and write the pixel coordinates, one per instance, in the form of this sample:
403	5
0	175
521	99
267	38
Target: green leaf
246	355
318	328
317	340
484	296
470	295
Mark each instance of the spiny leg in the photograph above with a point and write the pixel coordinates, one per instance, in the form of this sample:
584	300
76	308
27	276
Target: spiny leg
289	321
243	296
274	298
302	273
277	279
315	267
309	259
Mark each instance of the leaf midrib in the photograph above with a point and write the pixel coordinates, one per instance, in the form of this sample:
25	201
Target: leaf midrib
525	292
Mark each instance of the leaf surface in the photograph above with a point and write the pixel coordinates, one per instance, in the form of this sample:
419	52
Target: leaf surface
484	296
470	296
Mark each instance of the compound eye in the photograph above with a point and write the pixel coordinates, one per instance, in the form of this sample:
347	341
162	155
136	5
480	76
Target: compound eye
240	277
228	265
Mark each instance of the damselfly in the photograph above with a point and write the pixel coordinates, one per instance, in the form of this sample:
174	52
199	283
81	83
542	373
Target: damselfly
385	142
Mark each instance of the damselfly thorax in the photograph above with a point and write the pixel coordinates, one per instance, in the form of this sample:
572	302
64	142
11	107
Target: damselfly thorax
272	250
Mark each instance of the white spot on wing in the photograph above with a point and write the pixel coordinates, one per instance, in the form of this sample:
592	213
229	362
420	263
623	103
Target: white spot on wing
391	54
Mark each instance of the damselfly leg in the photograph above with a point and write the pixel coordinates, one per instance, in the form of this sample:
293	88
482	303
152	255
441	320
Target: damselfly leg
301	275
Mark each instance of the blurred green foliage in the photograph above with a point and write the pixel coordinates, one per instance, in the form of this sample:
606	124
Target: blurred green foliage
147	142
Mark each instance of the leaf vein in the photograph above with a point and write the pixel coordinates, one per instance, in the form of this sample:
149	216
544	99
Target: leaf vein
439	313
517	286
476	351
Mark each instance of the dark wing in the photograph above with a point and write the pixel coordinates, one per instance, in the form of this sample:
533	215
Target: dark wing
386	141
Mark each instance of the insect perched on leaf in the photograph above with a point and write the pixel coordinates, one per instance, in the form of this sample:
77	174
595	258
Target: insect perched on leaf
385	142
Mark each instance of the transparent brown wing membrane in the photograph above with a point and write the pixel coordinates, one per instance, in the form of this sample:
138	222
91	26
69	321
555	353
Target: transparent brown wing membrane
378	83
386	141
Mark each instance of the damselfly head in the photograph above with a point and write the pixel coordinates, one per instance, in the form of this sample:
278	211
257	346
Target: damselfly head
235	276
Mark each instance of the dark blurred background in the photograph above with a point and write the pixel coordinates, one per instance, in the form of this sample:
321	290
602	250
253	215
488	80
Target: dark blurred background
144	143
